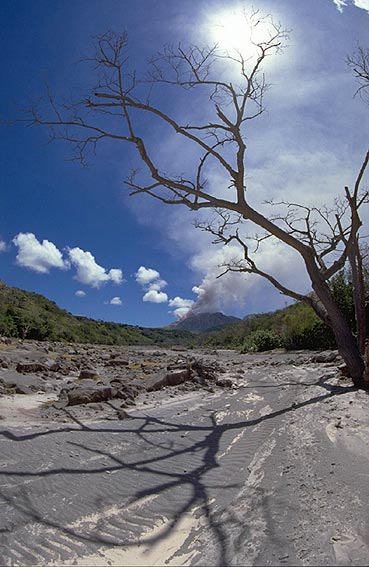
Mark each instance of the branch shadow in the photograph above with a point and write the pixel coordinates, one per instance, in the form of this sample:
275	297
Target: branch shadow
153	470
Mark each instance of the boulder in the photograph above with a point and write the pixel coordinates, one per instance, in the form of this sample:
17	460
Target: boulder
4	363
22	384
325	357
30	367
117	362
88	373
78	396
173	378
224	382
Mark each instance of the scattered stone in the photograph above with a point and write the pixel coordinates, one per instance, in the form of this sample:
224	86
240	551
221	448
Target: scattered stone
117	362
344	370
88	373
170	379
30	367
325	357
122	414
78	396
224	382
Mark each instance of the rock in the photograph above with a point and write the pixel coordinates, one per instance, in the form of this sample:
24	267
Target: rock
170	379
78	396
325	357
344	370
22	389
206	371
4	363
22	384
224	382
62	366
30	367
88	373
117	362
122	414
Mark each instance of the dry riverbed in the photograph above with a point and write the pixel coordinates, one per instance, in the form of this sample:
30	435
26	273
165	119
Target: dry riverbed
142	456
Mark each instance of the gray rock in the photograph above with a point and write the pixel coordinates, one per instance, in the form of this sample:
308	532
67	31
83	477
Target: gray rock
173	378
78	396
325	357
117	362
30	367
88	373
224	382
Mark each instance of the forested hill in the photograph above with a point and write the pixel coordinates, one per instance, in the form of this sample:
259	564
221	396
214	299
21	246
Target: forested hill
29	315
294	327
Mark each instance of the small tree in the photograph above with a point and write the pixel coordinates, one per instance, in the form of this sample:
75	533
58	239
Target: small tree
325	238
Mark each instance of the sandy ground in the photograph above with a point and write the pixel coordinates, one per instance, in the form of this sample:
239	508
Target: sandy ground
271	471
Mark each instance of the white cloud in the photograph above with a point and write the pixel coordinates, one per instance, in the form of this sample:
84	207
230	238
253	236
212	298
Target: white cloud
181	306
80	293
152	283
38	256
341	4
89	272
154	296
180	302
116	301
364	4
158	285
2	246
146	275
116	275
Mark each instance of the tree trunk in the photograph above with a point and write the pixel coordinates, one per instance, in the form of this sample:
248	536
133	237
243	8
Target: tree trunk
328	311
356	264
348	349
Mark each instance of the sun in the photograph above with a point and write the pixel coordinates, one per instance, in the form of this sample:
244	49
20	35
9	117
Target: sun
239	31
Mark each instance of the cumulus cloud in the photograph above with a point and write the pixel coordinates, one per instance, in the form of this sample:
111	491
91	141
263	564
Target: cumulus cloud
116	301
181	306
341	4
154	296
364	4
152	283
38	256
80	293
144	276
89	272
116	275
2	246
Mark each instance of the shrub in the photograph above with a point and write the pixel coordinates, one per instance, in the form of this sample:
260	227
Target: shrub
261	340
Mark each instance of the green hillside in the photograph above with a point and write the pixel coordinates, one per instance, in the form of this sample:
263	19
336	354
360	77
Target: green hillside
29	315
294	327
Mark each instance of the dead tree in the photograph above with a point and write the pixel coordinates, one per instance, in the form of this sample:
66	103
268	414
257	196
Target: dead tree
120	103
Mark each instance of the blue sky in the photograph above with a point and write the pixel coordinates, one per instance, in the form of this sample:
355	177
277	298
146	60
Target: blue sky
74	235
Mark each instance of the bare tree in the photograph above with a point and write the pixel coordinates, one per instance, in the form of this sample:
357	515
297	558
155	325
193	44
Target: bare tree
325	238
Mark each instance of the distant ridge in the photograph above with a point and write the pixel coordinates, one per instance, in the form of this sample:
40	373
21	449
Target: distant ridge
29	315
204	322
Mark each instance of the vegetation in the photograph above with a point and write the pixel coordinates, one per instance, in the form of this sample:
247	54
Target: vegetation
294	327
28	315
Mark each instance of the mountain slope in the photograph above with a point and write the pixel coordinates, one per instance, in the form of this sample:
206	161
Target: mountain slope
205	322
30	315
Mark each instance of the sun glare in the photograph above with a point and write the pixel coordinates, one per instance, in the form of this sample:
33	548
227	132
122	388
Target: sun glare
238	31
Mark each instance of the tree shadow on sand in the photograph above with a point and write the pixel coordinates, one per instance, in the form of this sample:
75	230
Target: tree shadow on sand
156	471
